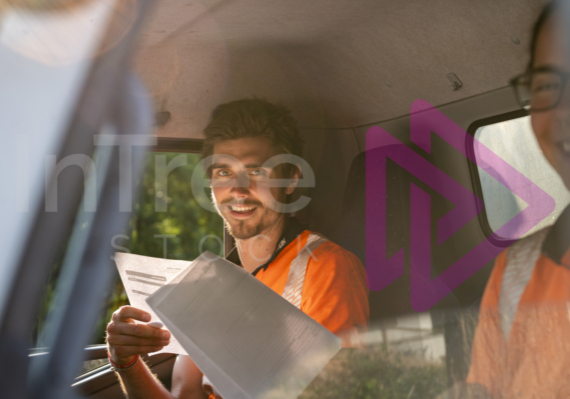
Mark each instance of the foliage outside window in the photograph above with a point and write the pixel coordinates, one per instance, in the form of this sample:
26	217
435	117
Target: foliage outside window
183	226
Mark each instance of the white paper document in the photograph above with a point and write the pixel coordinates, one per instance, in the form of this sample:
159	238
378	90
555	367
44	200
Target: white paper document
142	276
250	342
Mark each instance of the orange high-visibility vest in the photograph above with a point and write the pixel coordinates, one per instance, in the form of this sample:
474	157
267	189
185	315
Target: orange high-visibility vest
324	280
525	353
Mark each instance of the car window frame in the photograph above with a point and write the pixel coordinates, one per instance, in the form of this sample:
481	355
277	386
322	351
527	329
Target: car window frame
476	179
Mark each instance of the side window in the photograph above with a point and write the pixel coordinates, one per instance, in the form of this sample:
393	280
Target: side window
514	141
180	230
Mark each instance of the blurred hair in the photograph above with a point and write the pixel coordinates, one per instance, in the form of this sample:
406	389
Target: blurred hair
550	9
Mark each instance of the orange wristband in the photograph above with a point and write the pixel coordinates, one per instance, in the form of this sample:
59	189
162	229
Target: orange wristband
118	367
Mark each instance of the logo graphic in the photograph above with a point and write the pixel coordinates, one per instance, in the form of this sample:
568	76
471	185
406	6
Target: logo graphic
425	291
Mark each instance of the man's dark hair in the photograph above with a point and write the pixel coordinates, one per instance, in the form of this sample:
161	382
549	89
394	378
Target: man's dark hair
550	9
253	118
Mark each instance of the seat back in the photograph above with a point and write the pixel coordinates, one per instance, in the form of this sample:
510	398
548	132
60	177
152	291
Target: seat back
351	231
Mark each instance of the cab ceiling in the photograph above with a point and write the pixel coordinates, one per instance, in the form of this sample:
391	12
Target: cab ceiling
335	63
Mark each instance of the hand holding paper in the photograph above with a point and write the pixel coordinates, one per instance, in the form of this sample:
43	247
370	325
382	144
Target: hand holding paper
126	338
142	276
250	342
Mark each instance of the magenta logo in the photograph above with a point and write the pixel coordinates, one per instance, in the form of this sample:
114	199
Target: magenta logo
425	290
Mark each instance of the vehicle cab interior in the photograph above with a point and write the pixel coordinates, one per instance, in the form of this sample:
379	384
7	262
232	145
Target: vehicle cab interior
156	70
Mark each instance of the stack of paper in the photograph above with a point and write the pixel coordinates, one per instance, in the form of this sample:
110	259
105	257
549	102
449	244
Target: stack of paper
249	341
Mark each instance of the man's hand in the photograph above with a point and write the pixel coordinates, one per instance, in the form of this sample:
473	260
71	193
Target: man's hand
126	338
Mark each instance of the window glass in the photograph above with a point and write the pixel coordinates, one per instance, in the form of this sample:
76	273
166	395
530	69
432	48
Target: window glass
514	142
174	233
405	357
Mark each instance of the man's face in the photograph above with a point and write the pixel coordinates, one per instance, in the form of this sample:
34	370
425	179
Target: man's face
240	189
552	127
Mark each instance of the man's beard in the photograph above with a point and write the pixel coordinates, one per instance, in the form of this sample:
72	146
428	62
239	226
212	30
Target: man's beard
242	231
245	229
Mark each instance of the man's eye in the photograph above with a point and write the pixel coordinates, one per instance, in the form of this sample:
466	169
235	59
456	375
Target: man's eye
257	172
223	173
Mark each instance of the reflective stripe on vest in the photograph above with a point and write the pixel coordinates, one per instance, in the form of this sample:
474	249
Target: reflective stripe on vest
521	259
298	269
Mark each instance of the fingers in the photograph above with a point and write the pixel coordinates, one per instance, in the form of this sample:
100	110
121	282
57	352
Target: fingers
127	340
127	313
123	354
137	330
123	347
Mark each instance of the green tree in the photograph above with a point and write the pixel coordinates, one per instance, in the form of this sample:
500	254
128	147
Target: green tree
186	223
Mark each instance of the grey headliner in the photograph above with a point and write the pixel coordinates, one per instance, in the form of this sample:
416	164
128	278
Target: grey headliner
337	64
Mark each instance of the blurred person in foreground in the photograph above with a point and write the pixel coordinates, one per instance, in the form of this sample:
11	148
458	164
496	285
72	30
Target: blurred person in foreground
244	135
521	347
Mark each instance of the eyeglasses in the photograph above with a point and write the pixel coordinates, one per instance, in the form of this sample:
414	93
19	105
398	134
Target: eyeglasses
540	89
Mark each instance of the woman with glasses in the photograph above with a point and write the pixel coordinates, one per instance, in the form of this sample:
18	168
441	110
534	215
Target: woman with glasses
521	347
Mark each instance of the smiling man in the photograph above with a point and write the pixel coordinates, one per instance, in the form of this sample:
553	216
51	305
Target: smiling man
252	148
252	210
